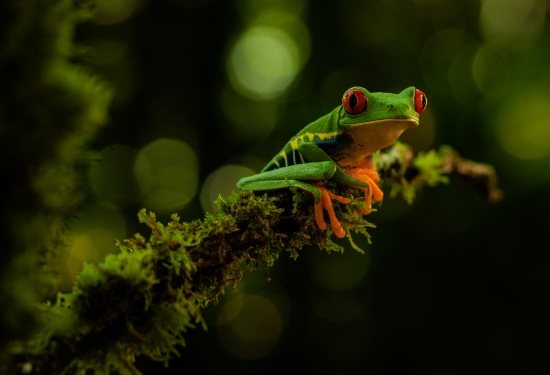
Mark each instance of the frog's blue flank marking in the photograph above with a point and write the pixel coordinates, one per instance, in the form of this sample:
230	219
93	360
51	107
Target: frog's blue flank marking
333	145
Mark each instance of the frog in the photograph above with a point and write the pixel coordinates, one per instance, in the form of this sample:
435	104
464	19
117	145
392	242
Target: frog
339	147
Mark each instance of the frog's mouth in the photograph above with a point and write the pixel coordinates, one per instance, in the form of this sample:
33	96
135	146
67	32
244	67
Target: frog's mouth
372	136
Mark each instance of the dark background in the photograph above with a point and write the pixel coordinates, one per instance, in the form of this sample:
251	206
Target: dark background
450	284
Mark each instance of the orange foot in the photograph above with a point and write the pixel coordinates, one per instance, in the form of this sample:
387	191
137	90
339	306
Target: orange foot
370	177
326	203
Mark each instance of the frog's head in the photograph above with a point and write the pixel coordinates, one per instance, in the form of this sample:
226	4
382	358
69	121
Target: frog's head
375	120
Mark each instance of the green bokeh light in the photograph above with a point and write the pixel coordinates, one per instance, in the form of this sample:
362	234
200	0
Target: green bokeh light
522	125
166	171
263	62
338	272
438	55
249	9
221	182
512	20
112	178
249	120
249	326
492	71
91	238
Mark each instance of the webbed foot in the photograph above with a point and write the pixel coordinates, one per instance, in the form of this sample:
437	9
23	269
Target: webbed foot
326	203
371	178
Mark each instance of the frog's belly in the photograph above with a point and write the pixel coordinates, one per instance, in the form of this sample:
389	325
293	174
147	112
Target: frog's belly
372	136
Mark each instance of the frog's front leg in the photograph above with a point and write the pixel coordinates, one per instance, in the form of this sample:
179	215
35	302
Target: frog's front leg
359	174
363	170
295	176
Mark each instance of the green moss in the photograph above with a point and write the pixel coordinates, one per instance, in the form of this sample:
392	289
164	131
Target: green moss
143	299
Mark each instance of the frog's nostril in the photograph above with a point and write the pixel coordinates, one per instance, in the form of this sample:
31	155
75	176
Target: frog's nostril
390	106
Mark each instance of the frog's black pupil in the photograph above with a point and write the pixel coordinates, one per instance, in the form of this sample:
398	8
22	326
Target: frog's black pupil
352	101
423	101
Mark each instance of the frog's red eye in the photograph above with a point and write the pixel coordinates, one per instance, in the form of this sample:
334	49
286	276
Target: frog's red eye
420	101
354	101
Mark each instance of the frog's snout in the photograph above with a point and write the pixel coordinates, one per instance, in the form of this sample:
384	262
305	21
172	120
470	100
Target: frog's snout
399	110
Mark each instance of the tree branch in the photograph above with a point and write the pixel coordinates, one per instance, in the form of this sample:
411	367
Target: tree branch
143	299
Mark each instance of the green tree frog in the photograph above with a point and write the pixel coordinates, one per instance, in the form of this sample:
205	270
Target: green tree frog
339	147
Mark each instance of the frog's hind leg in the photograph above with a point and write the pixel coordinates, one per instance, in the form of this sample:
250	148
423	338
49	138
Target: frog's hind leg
322	200
326	202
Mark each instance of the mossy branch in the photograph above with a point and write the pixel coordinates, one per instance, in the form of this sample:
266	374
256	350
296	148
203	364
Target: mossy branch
143	299
406	174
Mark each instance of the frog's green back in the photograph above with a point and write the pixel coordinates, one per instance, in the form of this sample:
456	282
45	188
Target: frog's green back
323	128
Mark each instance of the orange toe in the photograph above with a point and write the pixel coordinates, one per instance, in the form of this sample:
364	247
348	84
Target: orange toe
371	178
326	203
318	208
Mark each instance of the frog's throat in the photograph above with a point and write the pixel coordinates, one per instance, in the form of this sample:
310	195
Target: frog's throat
372	136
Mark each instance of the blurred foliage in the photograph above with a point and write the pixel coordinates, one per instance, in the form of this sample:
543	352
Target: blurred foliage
49	110
449	285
